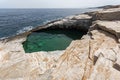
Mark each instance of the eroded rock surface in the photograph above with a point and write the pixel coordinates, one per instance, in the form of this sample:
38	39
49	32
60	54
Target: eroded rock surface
112	27
82	22
94	57
106	14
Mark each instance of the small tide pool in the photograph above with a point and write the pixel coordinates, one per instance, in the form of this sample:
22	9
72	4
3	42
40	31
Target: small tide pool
51	39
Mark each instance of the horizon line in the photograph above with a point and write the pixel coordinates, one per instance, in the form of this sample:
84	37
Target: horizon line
51	8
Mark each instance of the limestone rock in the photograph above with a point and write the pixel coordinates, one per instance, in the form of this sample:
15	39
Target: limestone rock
82	22
112	27
106	14
15	64
109	6
94	57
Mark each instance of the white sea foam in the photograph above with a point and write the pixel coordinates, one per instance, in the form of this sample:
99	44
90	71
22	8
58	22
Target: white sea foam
25	29
47	21
3	38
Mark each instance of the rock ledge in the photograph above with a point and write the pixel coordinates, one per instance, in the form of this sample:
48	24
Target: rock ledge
94	57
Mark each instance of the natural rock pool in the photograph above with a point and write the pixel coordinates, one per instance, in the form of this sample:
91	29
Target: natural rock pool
51	39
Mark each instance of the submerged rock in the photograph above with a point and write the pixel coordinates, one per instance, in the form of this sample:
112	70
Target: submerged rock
94	57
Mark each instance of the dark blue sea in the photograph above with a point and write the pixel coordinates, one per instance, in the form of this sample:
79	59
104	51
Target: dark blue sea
15	21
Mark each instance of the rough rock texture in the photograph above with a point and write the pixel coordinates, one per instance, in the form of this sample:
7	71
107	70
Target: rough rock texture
16	65
112	27
109	6
94	57
106	14
82	22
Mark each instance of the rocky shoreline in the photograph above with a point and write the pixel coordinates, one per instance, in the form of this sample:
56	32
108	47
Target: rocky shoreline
93	57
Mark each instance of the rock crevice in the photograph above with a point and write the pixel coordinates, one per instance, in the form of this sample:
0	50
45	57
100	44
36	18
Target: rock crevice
94	57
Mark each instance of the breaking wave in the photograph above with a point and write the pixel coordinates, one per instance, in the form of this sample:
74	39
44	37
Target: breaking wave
25	29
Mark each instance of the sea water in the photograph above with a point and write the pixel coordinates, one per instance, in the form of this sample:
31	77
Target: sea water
51	40
16	21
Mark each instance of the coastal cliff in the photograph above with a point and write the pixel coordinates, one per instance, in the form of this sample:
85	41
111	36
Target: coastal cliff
93	57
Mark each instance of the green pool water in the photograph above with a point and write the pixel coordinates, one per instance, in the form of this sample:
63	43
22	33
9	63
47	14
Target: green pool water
50	40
